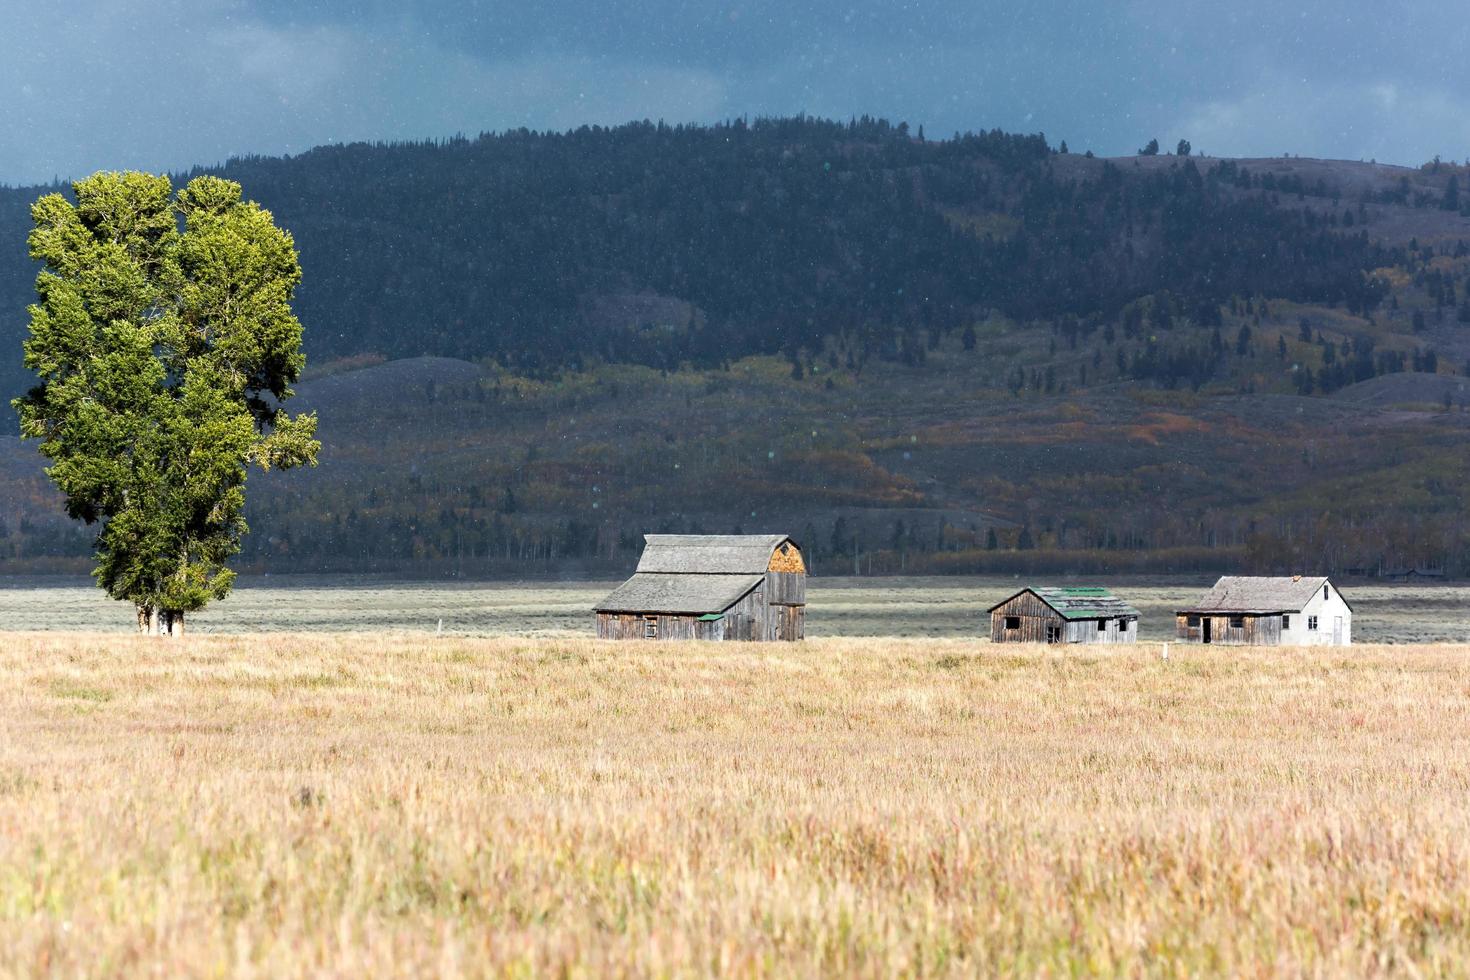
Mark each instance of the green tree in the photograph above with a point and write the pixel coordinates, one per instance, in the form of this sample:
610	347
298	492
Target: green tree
164	344
1183	149
1151	149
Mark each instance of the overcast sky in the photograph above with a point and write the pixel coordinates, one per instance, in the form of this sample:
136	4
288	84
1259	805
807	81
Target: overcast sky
163	84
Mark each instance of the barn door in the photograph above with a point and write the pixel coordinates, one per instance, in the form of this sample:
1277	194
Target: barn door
1337	631
1205	628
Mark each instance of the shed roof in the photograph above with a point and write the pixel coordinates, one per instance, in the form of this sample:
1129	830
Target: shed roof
1260	594
1078	601
709	554
679	594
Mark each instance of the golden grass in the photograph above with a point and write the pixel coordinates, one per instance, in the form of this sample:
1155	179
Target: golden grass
288	805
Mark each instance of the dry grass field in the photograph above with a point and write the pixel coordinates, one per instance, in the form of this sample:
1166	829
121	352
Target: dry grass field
287	805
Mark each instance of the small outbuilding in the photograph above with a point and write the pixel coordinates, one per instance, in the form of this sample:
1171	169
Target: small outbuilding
710	587
1070	614
1295	610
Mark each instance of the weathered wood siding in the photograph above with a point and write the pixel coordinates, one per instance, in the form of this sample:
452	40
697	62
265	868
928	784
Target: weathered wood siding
1035	617
774	610
1114	630
785	589
627	626
1253	631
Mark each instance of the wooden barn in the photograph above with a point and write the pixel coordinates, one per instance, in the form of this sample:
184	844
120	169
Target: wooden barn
1283	611
710	587
1074	614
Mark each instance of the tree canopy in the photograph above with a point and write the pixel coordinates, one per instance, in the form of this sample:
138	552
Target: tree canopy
164	343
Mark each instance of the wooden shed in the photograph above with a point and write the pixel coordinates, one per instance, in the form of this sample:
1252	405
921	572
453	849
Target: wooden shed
1295	610
710	587
1071	614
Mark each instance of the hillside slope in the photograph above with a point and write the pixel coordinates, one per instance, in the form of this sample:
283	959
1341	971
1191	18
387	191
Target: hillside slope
967	355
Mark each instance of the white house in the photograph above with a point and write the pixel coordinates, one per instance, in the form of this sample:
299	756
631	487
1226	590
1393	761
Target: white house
1282	611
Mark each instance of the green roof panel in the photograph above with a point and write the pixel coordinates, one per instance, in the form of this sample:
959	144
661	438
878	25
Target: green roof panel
1084	602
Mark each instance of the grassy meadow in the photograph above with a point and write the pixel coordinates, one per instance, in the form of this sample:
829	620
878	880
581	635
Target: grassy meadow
936	606
353	805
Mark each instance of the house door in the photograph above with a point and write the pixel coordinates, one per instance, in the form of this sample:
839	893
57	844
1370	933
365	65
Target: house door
1337	631
1204	626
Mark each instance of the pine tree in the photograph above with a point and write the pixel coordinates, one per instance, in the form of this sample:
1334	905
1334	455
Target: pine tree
163	351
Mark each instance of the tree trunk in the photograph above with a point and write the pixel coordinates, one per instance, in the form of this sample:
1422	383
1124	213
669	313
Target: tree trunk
171	623
160	622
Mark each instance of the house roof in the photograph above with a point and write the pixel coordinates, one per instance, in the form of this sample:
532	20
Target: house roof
709	554
679	594
1260	594
1078	601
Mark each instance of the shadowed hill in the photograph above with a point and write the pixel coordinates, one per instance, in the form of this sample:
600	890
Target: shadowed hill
970	355
764	238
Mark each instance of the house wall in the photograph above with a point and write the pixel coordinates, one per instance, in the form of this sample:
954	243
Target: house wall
1253	631
1326	609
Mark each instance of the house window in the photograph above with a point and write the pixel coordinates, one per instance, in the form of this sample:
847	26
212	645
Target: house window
1312	623
1286	622
1237	622
1324	592
650	627
1013	622
1122	626
1102	625
1053	634
1193	620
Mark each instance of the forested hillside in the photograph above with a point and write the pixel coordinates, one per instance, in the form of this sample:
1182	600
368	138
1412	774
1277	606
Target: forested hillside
535	249
976	352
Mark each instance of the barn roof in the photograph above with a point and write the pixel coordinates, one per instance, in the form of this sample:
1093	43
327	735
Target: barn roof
694	574
679	594
1078	601
709	554
1259	594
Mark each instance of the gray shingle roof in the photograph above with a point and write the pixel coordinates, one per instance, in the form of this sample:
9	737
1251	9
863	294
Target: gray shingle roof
680	594
709	554
1078	602
1259	594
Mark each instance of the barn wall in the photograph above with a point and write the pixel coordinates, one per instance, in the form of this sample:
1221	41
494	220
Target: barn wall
1035	616
785	589
1113	631
774	610
627	626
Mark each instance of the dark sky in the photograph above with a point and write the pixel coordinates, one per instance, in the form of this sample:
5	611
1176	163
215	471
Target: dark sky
162	84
